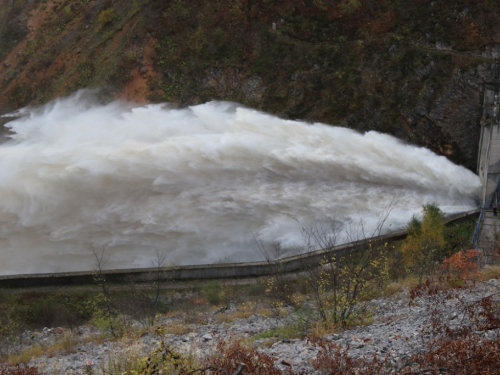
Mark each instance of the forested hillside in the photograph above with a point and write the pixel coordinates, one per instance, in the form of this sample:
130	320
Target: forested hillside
414	69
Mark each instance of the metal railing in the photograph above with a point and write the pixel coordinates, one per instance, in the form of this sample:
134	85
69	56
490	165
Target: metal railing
498	194
476	234
478	228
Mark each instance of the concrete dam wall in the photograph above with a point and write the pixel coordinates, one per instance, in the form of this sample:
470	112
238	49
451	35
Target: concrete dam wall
212	271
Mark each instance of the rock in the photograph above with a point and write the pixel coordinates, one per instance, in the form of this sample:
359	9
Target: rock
207	337
399	339
287	362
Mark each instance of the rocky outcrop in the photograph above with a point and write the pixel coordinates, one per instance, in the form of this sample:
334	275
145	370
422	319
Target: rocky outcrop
444	119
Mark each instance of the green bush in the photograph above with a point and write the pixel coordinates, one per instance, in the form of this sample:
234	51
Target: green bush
106	16
213	291
458	236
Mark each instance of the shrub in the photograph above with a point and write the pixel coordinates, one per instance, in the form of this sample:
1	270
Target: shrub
425	241
18	370
213	291
457	348
232	357
106	16
350	6
10	323
463	264
458	236
452	348
332	359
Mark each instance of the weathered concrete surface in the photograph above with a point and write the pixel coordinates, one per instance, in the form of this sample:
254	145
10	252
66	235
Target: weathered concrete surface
488	169
488	166
493	166
490	229
489	237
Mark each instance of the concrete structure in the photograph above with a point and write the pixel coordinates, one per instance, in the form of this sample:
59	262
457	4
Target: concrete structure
488	165
488	169
488	230
489	238
213	271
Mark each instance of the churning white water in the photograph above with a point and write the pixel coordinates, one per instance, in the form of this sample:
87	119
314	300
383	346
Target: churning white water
198	183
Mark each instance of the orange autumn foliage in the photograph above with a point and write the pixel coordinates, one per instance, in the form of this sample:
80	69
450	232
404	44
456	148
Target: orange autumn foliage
463	264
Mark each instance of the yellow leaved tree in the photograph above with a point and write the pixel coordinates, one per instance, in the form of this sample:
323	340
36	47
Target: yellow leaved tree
425	241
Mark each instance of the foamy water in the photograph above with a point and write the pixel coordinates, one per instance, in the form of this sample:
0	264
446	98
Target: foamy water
198	183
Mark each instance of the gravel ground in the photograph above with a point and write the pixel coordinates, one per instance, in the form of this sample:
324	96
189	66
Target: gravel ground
397	331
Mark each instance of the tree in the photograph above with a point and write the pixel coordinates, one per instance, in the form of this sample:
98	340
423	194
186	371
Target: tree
425	241
341	280
105	311
143	302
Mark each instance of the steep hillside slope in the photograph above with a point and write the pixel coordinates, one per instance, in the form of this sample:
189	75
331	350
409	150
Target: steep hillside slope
414	69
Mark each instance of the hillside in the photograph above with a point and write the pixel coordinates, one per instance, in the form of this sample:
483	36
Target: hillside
412	69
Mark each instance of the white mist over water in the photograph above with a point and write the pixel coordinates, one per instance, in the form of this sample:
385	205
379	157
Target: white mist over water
198	183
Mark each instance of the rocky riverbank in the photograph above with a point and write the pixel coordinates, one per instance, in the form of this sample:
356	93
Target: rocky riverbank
400	328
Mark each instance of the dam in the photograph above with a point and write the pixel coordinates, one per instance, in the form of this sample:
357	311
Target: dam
200	184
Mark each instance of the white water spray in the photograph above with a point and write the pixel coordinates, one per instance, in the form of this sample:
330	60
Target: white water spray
198	183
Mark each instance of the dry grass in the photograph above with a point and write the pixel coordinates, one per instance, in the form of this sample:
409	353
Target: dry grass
490	272
65	345
399	286
320	328
131	335
125	362
25	356
244	311
178	328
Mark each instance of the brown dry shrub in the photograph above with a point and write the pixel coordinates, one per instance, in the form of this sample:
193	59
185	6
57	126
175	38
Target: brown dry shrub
467	355
18	370
232	355
333	359
452	348
457	348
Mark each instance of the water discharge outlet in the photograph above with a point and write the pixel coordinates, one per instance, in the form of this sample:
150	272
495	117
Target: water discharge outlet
198	183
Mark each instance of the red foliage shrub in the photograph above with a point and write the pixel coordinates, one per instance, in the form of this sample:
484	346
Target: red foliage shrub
383	23
18	370
332	359
232	355
457	347
462	264
467	355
